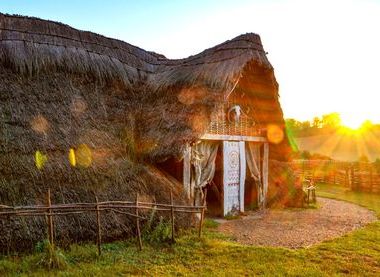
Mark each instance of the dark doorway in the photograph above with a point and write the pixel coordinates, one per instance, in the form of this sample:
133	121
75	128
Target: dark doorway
215	188
173	167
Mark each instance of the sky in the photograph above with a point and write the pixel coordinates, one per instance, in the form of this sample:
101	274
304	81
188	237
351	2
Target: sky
325	53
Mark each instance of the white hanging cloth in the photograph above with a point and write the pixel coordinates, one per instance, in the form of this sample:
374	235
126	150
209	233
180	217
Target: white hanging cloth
254	165
203	157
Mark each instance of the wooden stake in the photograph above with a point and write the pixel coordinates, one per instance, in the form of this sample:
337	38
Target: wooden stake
98	229
352	177
138	222
334	172
346	177
202	214
50	220
187	171
172	214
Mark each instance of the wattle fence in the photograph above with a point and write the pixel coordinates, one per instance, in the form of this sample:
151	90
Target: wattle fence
128	208
357	176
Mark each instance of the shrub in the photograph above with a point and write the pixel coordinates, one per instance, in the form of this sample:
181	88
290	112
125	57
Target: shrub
159	232
377	165
51	257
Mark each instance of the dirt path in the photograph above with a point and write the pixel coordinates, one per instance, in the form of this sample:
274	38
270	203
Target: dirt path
298	228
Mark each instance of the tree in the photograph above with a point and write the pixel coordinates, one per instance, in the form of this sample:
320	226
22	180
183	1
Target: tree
331	120
377	165
317	122
367	125
363	159
292	124
305	155
305	125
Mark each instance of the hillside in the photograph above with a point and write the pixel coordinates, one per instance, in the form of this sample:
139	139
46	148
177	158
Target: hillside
342	146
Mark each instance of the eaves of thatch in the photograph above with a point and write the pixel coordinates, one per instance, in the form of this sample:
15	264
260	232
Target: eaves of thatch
31	45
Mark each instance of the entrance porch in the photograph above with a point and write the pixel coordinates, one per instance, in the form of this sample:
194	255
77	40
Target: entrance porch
221	163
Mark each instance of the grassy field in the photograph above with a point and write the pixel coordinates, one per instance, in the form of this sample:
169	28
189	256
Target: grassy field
357	253
344	147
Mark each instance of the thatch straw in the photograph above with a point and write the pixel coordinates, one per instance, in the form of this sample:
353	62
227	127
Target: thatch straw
32	45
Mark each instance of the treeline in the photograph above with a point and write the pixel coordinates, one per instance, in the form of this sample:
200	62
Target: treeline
326	124
307	155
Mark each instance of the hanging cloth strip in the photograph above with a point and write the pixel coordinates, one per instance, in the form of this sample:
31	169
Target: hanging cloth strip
254	165
203	157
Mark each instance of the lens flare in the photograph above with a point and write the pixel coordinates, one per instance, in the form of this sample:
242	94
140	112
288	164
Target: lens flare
292	141
78	106
72	158
189	96
275	134
352	120
40	159
83	155
39	124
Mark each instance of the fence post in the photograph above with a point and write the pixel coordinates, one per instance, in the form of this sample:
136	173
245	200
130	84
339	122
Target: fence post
334	172
303	170
202	214
172	214
352	177
138	222
98	233
50	220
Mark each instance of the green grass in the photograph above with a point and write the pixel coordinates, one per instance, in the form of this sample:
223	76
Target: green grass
370	201
357	253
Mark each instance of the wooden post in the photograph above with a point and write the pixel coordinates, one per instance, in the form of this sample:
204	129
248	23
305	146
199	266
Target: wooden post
265	172
352	177
202	214
138	222
242	174
98	233
50	220
172	214
334	172
187	171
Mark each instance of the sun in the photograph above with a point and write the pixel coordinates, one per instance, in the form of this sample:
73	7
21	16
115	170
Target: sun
351	121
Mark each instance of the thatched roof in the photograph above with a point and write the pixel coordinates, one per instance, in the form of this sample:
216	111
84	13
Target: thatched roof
62	88
32	45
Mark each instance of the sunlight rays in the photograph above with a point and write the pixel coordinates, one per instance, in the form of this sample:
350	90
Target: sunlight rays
352	120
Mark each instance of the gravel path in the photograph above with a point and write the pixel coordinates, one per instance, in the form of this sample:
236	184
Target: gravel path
298	228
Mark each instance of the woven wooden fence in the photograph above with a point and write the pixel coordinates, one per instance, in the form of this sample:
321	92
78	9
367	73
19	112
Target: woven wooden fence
128	208
357	176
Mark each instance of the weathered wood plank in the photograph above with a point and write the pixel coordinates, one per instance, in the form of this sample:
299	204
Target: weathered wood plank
243	163
187	171
265	171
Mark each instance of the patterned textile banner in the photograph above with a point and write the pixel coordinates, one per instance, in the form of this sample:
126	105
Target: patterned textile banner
232	176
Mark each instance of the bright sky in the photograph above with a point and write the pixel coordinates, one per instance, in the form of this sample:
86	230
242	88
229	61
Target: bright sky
326	54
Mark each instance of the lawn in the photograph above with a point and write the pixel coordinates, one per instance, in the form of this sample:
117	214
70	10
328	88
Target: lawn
357	253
